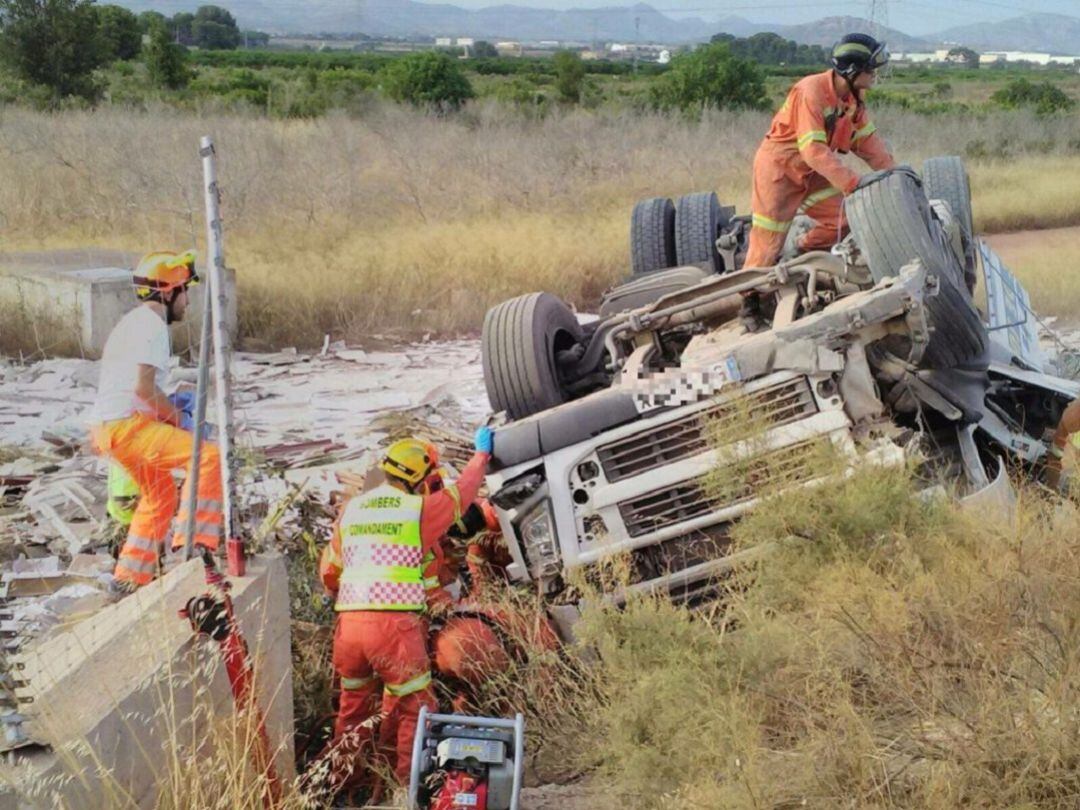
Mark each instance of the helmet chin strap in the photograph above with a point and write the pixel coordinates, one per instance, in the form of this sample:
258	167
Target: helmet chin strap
170	316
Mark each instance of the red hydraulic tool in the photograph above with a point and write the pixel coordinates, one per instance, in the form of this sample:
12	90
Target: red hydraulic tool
211	614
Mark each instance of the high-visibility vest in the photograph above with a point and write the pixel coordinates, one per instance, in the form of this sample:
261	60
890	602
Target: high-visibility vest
381	552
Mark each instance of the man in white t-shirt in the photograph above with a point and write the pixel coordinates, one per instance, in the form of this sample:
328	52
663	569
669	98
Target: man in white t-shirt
137	426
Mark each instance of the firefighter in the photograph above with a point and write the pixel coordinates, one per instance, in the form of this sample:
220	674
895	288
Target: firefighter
141	429
798	168
381	566
1067	433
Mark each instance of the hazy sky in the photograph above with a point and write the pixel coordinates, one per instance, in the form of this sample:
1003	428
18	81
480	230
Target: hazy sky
911	16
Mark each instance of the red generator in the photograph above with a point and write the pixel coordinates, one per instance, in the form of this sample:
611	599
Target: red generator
466	763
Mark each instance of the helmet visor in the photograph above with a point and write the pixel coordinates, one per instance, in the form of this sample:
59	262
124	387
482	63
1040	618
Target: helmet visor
879	58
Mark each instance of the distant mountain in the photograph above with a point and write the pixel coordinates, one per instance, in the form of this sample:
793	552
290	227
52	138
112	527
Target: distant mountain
827	31
1056	33
1053	33
403	18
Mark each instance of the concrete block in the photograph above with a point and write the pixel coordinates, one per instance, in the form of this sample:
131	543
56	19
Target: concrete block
120	696
84	293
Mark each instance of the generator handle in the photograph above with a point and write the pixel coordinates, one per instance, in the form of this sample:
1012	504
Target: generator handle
519	759
414	767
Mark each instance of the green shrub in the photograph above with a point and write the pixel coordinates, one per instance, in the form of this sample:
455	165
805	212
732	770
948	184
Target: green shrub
427	80
1044	97
711	76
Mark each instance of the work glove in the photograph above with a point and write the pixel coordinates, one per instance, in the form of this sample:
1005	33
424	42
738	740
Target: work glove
485	440
183	401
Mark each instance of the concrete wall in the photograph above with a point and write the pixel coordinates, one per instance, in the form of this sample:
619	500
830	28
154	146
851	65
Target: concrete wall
86	293
114	695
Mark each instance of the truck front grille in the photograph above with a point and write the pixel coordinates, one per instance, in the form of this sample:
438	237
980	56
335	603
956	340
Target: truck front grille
776	405
728	485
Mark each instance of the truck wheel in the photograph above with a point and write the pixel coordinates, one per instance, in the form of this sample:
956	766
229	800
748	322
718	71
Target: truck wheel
652	235
520	342
892	224
698	220
945	178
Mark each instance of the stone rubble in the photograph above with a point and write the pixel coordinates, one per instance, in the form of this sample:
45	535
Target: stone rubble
307	425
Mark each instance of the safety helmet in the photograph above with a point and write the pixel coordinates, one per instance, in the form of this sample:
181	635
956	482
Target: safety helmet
161	271
857	53
410	460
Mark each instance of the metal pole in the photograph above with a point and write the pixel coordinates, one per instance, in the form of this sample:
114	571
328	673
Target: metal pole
199	419
222	352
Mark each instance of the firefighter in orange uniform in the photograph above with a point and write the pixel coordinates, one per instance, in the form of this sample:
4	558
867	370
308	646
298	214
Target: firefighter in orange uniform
140	428
382	567
797	167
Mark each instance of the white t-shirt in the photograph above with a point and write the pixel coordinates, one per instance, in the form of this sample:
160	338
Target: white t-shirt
139	338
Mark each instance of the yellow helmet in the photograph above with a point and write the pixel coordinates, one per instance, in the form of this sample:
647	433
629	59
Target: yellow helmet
410	460
161	271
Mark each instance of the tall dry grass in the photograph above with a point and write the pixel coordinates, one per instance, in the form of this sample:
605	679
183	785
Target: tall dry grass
402	221
893	652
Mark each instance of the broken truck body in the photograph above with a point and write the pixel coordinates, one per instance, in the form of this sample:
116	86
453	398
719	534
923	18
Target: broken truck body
876	347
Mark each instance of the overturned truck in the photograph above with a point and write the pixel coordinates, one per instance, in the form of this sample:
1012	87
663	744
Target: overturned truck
909	333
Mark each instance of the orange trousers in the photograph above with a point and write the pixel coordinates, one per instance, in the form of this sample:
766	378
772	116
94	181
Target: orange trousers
149	450
382	659
779	193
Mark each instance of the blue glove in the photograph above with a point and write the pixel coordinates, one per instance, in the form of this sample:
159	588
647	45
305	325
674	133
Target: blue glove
183	401
485	440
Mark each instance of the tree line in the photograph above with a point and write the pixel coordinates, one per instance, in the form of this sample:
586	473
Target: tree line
58	44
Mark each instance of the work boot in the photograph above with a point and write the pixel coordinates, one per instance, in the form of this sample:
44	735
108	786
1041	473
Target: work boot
119	588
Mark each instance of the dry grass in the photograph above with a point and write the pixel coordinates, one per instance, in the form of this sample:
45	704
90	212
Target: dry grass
893	653
404	222
1045	262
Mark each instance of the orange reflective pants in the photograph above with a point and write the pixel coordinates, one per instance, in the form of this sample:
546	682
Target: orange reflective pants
149	451
778	195
382	659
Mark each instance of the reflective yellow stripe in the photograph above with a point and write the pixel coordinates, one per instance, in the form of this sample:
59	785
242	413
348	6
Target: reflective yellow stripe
818	196
356	683
864	132
850	47
407	688
428	559
806	138
141	543
431	583
453	490
762	221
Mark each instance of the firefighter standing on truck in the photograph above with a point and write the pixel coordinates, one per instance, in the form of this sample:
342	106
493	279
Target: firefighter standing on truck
382	567
143	430
797	168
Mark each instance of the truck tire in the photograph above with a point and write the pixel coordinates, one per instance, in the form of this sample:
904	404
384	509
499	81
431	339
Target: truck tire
698	220
892	224
945	178
639	292
652	236
520	341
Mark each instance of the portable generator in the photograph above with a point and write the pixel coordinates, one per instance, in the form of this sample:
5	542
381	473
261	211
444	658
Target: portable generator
466	763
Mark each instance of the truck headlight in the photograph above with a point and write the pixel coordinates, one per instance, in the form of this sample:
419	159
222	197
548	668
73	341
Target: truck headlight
538	537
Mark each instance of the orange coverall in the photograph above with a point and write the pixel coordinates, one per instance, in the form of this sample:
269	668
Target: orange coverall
149	450
478	642
797	167
379	653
